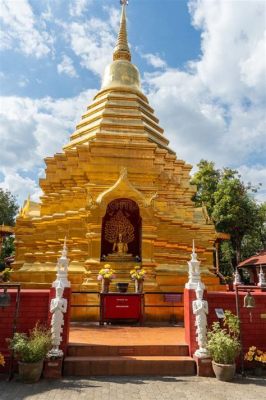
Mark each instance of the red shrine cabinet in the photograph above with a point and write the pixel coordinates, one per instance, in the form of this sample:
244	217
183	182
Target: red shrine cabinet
121	306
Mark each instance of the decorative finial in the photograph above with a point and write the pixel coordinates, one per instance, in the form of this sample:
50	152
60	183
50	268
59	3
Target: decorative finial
64	251
194	277
121	51
62	268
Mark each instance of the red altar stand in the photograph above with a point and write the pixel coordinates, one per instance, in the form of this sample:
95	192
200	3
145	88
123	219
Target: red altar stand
121	306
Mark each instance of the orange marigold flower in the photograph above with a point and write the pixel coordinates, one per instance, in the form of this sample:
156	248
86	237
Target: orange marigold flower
2	360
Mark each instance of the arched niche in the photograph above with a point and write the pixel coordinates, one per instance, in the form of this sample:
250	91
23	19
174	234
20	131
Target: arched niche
121	223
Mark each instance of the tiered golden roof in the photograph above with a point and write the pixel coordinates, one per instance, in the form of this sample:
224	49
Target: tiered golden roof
117	151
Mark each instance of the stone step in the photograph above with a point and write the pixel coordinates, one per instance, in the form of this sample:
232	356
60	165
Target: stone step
129	366
84	350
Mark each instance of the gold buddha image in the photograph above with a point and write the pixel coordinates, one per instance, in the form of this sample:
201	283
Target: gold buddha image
120	247
120	232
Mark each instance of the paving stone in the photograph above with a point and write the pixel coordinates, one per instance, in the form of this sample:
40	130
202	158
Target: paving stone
135	388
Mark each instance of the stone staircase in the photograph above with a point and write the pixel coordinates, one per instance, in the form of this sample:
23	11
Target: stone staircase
114	360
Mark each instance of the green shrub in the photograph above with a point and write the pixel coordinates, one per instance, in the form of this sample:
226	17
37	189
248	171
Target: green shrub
223	342
32	347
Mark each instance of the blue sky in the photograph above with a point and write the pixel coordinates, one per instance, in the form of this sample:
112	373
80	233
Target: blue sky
202	64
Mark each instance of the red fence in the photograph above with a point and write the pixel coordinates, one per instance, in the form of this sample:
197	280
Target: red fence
253	321
34	307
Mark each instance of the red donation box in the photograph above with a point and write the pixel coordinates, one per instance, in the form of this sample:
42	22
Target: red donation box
121	306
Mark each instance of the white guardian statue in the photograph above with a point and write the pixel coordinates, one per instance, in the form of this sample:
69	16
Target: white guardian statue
58	308
200	309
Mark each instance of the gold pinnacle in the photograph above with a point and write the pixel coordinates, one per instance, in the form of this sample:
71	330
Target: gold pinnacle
121	51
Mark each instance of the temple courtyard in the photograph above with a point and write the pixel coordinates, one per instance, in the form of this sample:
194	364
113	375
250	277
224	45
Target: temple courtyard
136	388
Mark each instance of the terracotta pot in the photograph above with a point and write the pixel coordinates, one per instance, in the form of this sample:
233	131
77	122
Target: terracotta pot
30	372
105	285
224	372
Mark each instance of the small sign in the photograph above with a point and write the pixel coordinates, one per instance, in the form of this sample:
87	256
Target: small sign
263	316
219	313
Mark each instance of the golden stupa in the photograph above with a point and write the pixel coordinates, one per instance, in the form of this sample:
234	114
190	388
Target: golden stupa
119	195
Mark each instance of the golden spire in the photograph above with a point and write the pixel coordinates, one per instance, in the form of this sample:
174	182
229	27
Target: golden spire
121	51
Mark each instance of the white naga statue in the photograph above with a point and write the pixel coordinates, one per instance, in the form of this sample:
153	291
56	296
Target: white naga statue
200	309
58	307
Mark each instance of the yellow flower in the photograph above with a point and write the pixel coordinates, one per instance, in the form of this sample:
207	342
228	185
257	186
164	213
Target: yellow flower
2	360
107	273
137	273
248	357
255	354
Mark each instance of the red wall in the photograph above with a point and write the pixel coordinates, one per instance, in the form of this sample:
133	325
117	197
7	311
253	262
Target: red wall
254	329
253	332
189	320
34	307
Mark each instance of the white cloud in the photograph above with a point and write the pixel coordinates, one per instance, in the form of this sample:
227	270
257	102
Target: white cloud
66	67
255	175
194	124
216	109
31	130
233	46
21	31
253	69
20	186
94	40
78	7
154	60
114	16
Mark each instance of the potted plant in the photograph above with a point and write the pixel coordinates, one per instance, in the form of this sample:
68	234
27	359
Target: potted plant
105	275
138	274
224	346
30	351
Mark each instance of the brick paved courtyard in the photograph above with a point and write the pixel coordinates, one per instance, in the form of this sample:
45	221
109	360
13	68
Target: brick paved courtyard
136	388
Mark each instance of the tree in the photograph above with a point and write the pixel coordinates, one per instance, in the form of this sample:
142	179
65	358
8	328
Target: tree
206	179
235	211
8	211
255	240
232	208
8	208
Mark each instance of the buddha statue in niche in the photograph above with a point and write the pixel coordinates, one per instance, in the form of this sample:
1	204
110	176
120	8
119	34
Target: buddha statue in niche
119	247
